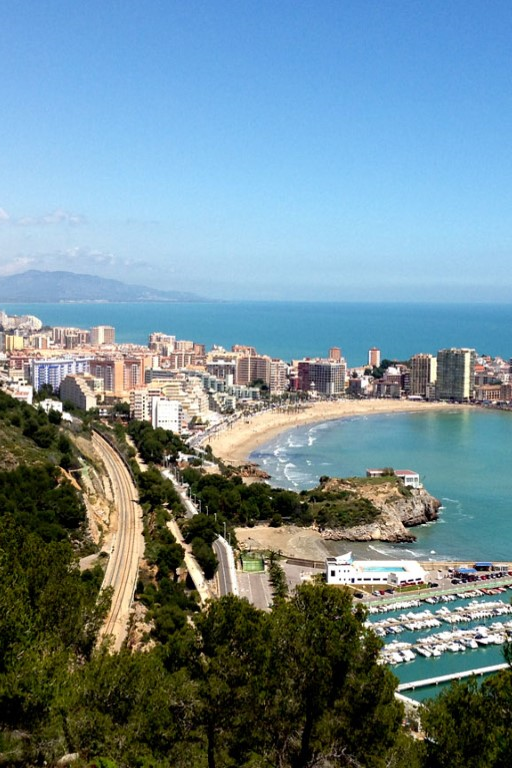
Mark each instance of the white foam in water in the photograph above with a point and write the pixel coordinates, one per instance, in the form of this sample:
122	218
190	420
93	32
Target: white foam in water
320	427
380	551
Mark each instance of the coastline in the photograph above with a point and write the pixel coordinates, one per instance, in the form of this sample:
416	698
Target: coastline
234	444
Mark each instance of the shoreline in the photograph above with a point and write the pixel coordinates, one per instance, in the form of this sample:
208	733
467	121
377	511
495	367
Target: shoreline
234	444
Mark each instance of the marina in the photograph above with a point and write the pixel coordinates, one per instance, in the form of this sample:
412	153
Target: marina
432	639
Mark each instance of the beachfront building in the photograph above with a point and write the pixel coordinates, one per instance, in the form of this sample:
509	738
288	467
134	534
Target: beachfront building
423	376
455	374
489	393
250	368
395	382
397	573
325	377
278	376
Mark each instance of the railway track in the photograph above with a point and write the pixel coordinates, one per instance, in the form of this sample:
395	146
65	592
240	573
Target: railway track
123	566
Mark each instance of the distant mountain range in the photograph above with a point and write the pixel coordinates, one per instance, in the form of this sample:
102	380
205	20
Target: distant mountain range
53	287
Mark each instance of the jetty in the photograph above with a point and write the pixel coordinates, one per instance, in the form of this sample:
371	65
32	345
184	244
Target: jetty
447	678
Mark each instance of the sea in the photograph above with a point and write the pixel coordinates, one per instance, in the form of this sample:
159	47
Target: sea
463	456
291	330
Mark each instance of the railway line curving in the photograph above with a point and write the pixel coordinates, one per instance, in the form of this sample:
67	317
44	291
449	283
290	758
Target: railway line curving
123	566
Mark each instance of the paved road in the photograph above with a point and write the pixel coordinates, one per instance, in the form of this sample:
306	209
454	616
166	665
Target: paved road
226	576
226	572
128	545
255	587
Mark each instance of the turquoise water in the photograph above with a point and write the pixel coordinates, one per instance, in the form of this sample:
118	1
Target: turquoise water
295	329
464	458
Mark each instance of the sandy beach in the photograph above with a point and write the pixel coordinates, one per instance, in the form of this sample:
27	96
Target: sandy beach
234	444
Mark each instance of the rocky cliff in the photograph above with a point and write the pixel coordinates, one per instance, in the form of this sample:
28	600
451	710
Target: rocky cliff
399	510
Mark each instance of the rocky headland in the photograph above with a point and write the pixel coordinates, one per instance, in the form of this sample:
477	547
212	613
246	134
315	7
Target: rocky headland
397	510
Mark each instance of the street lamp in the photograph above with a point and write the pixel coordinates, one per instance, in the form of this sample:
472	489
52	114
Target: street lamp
224	529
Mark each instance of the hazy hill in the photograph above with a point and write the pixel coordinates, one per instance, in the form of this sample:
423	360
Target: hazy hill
51	287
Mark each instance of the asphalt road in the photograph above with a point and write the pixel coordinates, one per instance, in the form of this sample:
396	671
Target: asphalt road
226	574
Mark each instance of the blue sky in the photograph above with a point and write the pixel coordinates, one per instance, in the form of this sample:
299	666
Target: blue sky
344	150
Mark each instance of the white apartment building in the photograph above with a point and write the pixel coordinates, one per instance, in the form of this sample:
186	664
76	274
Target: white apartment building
166	414
186	391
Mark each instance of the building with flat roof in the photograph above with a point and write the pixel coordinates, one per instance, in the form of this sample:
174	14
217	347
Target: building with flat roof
455	374
53	371
343	570
103	334
327	377
278	376
167	414
251	368
423	375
